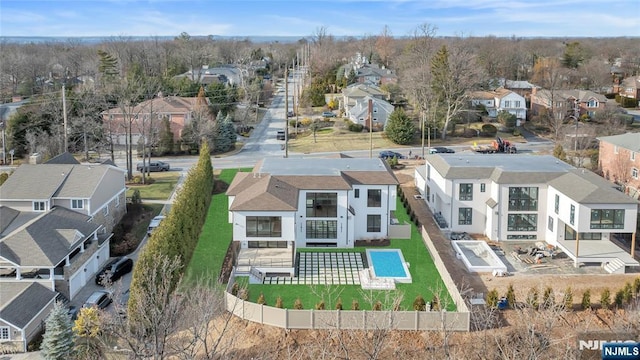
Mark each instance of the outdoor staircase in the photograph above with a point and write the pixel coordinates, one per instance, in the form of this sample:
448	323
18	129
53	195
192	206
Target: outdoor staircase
615	266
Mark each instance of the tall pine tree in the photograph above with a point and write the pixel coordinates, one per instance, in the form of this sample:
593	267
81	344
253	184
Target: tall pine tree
226	135
400	129
57	342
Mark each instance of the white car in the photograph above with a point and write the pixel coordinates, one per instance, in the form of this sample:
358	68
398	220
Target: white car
155	222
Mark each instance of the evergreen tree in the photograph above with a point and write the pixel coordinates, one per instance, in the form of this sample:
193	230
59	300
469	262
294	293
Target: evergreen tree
225	136
400	129
57	342
108	65
165	145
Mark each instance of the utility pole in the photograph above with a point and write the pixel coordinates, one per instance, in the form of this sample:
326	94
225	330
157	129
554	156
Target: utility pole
286	111
64	117
369	116
424	119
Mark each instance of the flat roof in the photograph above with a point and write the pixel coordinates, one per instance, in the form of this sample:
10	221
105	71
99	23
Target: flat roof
318	167
507	162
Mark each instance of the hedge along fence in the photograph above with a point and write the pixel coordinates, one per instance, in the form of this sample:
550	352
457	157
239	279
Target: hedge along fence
178	234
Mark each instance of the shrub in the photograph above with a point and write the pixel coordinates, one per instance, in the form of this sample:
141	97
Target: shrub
469	133
511	296
3	177
306	121
320	305
636	286
548	298
355	305
355	127
261	300
619	298
377	306
489	130
567	299
627	293
532	298
298	304
279	304
586	300
234	289
435	303
339	304
135	197
244	294
605	298
292	123
419	304
492	298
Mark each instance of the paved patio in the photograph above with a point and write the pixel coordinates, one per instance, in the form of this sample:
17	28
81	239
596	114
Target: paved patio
320	268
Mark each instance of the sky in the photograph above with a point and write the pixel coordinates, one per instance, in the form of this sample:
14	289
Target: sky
303	18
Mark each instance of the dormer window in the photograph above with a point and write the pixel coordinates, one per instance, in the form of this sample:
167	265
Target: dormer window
77	204
38	206
593	103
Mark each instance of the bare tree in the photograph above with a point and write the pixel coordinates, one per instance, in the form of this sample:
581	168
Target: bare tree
384	46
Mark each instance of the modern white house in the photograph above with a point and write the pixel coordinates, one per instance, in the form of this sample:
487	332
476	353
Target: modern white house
290	203
533	198
501	100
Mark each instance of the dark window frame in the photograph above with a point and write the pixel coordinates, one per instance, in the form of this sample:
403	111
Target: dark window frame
322	205
374	198
465	192
322	229
465	216
374	223
607	219
271	226
522	222
523	198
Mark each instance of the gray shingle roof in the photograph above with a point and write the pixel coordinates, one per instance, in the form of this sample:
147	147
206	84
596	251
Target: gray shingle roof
274	184
64	158
585	187
20	302
630	141
44	181
48	239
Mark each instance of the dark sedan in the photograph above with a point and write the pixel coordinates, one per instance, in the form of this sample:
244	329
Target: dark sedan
114	270
441	150
390	155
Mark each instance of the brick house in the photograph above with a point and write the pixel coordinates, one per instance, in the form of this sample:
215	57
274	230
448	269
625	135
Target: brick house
147	118
565	103
619	159
630	87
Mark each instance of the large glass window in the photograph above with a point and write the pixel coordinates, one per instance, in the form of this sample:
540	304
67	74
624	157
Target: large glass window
466	192
374	198
264	226
322	204
374	223
267	244
465	216
607	219
522	222
322	229
570	234
556	207
523	199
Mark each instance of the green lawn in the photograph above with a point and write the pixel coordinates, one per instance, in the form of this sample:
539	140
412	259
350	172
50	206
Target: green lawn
215	237
161	189
217	233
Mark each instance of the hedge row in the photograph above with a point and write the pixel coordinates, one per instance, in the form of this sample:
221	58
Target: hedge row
178	234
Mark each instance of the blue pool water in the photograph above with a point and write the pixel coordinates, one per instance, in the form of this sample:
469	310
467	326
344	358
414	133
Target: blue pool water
387	263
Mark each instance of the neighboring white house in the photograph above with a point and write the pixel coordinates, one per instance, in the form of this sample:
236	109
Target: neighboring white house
284	204
501	100
356	92
380	112
530	197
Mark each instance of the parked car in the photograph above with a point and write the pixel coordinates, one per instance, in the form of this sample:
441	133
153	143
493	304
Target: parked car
390	155
155	222
440	150
281	135
100	299
153	166
328	114
291	114
114	270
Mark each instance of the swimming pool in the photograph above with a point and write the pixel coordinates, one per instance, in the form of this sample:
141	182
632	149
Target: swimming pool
477	256
388	264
